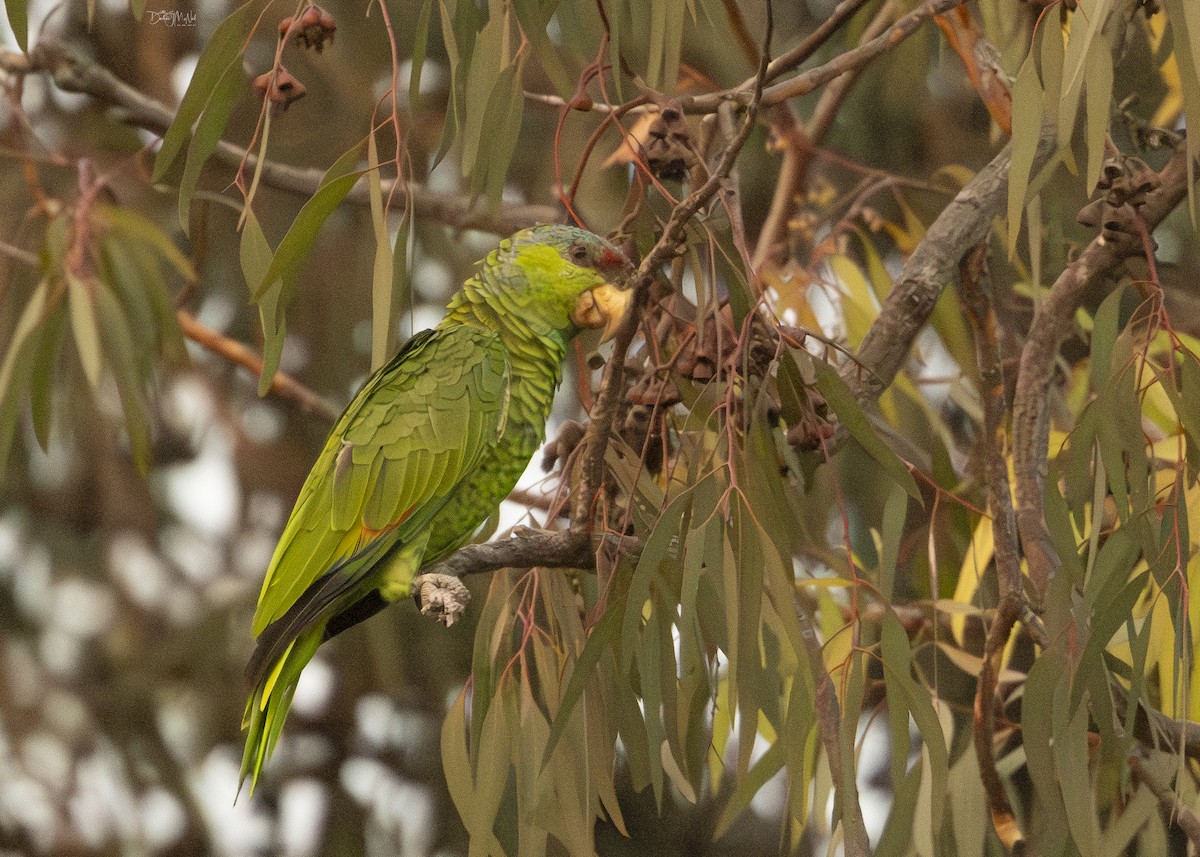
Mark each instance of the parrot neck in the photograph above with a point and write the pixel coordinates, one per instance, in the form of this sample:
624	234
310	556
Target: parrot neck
535	347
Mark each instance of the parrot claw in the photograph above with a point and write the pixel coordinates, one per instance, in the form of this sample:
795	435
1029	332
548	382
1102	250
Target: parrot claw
442	596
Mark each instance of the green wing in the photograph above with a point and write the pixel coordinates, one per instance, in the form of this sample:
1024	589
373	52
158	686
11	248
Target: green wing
410	435
418	427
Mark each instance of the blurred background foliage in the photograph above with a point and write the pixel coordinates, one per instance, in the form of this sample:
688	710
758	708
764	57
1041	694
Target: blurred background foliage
145	481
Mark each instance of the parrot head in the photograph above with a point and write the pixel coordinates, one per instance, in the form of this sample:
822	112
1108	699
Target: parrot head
574	271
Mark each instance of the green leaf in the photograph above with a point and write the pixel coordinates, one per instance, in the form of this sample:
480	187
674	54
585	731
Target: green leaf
122	355
419	49
276	288
895	512
841	402
656	550
44	346
598	642
1105	327
85	328
896	839
136	229
897	665
255	257
1047	680
18	19
208	135
298	243
461	22
1086	25
534	17
1185	26
1097	104
224	49
1071	760
768	764
1027	129
382	272
19	363
505	110
491	778
456	765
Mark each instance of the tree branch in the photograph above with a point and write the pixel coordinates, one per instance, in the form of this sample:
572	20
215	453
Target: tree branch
932	266
73	72
975	289
1052	320
525	549
1176	809
612	386
282	384
807	81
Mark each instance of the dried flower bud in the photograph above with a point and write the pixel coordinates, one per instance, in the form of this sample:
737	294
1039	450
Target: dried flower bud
280	87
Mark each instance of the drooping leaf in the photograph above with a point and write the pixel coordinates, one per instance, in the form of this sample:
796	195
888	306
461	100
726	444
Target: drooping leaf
224	49
276	288
902	687
84	327
841	402
381	276
20	362
1027	127
18	20
417	61
599	640
1097	104
208	134
255	258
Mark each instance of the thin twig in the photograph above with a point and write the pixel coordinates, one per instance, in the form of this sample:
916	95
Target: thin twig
807	81
799	143
72	72
282	384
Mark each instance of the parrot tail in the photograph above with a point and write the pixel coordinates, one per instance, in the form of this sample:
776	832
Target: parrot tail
268	705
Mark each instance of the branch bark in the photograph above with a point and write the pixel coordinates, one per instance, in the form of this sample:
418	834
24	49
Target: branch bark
932	266
1052	321
807	81
975	288
73	72
282	384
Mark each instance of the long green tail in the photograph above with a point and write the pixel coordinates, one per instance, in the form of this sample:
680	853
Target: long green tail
268	705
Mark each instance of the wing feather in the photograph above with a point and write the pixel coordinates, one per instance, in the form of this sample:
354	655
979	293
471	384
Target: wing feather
410	435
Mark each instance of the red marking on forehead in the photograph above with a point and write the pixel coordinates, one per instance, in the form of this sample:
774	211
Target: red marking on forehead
611	258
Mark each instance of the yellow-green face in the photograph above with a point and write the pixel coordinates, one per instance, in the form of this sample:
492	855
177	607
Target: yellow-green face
573	271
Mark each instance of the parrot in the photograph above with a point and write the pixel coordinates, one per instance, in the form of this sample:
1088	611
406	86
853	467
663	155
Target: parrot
425	452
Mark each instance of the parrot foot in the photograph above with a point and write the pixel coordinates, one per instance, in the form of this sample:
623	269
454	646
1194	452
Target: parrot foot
442	596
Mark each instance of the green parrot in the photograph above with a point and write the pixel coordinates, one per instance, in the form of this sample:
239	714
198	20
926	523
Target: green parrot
425	452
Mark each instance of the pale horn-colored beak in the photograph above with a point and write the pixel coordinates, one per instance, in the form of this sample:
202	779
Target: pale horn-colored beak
602	307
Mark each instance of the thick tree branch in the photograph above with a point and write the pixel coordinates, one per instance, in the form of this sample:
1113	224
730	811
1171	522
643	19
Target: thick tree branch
975	289
527	548
73	72
1052	320
932	266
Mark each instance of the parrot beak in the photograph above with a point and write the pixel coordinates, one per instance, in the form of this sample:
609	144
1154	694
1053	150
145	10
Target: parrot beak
602	307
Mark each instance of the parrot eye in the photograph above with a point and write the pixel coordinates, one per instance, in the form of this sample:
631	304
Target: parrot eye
578	252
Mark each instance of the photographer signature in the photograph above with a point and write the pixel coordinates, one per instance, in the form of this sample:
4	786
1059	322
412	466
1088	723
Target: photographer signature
172	17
